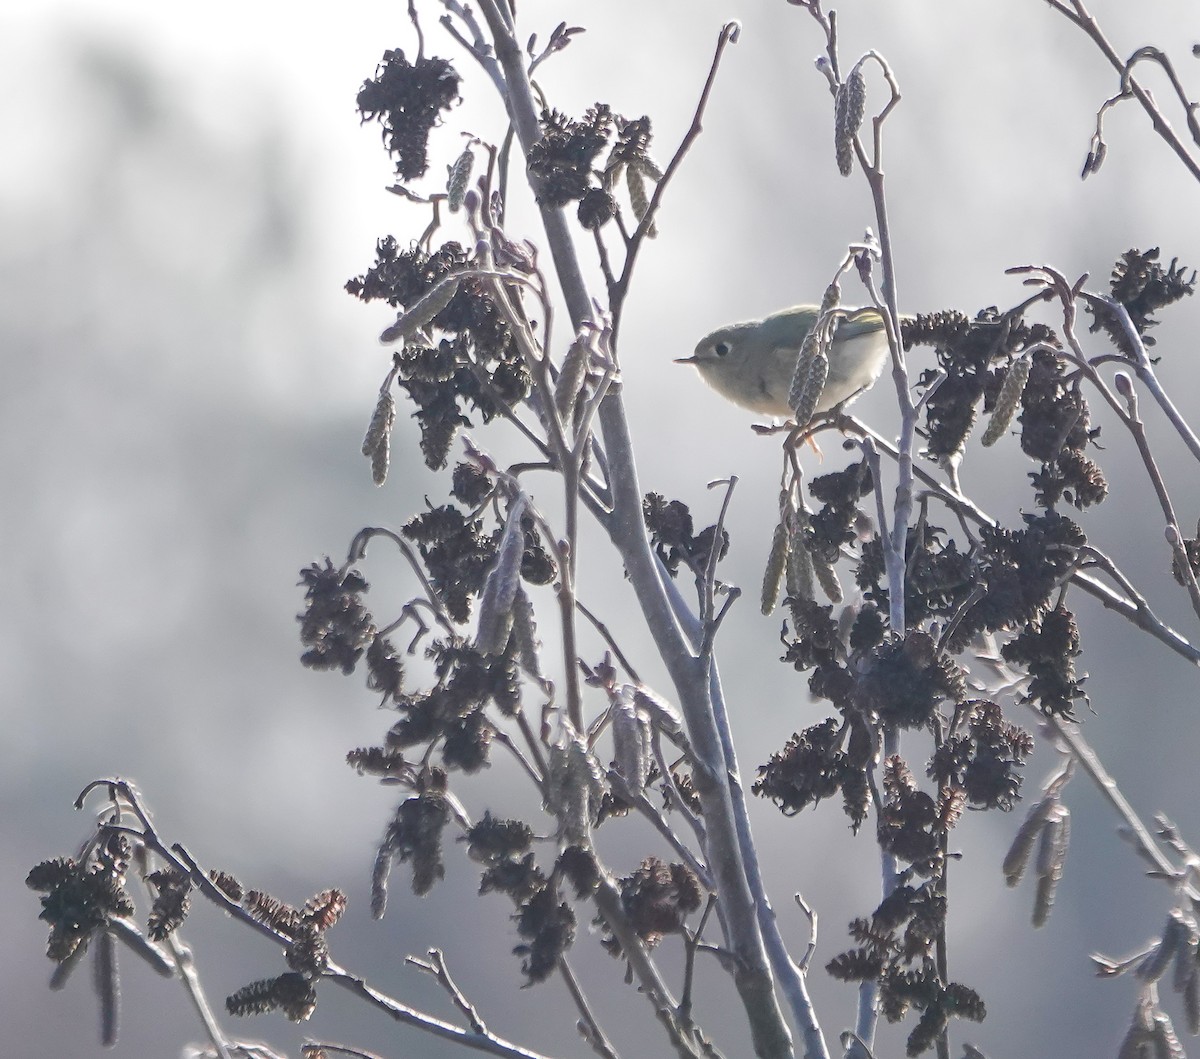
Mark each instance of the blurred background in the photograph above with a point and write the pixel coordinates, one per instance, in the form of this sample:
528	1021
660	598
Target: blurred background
186	384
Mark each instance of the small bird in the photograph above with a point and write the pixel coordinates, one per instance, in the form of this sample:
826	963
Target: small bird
752	363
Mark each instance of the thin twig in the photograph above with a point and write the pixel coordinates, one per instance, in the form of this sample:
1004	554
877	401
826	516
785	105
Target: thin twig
505	740
1083	753
490	1044
195	992
570	469
1173	533
535	749
436	966
358	551
412	16
478	47
976	593
314	1048
1080	16
643	805
811	914
608	901
178	858
1135	611
893	542
691	942
1126	408
709	579
849	1038
676	802
589	1028
607	636
620	290
1142	364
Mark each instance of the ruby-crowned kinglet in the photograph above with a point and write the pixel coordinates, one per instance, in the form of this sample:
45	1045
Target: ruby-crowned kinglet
752	363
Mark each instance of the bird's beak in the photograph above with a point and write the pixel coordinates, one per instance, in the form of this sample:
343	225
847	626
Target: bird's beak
685	360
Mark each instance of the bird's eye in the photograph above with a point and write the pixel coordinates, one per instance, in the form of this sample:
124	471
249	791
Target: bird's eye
721	349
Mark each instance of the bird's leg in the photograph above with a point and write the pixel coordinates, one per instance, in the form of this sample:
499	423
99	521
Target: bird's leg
798	435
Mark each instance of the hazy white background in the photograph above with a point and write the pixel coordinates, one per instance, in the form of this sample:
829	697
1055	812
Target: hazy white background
185	384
